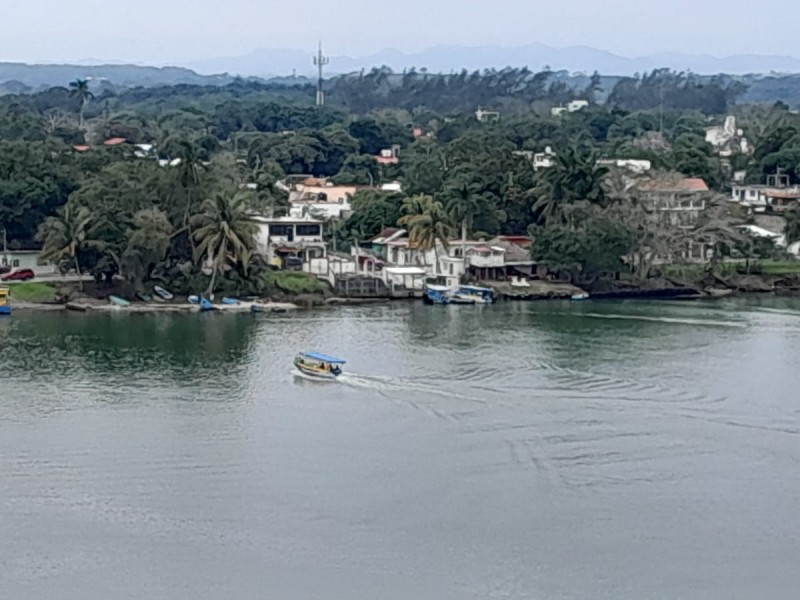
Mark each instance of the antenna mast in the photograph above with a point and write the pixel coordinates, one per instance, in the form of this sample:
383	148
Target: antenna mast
320	60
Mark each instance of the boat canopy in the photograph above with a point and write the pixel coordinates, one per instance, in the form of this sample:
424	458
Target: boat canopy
323	358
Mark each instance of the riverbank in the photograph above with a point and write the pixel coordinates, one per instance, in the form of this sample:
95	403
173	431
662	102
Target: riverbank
54	296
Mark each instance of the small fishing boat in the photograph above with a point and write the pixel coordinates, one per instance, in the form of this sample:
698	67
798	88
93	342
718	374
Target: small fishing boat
230	301
206	304
163	294
319	366
194	299
144	297
5	300
578	297
118	302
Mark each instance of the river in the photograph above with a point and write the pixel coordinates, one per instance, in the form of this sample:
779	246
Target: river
533	450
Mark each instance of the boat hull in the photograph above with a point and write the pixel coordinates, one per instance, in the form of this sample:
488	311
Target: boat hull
314	374
5	310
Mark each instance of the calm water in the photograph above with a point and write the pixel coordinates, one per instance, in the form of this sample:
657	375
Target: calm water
558	451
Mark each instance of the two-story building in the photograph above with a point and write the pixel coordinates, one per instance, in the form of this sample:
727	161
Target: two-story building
776	196
676	203
289	241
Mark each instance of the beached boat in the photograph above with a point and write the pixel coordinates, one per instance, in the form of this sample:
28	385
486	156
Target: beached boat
144	297
194	299
163	294
230	301
319	366
5	300
206	304
117	301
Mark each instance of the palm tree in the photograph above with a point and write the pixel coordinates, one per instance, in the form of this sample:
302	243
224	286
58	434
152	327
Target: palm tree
64	234
427	223
80	90
224	234
574	177
189	167
462	206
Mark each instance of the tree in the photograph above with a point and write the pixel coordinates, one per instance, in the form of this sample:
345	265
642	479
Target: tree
575	176
147	242
427	223
792	226
80	89
65	234
224	235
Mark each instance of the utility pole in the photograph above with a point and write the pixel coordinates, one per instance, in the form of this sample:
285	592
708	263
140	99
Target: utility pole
320	60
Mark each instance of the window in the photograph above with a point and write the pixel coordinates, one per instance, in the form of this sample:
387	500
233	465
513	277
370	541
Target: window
307	230
280	230
451	268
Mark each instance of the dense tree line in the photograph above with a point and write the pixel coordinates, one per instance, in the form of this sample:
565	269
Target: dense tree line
219	151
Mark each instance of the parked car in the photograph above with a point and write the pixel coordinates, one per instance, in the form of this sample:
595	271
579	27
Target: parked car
19	275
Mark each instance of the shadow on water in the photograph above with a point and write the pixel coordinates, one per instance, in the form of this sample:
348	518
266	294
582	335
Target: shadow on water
98	343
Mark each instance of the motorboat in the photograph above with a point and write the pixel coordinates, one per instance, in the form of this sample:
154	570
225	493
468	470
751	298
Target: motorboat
319	366
578	297
475	294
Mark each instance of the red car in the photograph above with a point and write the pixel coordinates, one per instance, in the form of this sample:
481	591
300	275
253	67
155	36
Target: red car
19	275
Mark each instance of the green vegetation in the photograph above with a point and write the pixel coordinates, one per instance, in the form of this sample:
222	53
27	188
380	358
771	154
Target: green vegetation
174	212
33	292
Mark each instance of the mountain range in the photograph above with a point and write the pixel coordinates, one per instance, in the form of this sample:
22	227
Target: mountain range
266	63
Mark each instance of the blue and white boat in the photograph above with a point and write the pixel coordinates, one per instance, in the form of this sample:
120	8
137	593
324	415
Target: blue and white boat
437	294
479	295
319	366
230	301
206	305
5	300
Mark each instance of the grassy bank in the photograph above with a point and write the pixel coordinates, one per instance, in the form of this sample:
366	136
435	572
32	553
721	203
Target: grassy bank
33	292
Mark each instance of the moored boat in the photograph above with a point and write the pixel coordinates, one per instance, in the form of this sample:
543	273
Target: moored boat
437	294
578	297
5	300
319	366
206	304
144	297
230	301
476	294
194	299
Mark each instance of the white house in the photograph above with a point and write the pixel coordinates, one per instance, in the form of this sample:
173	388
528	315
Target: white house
26	259
282	238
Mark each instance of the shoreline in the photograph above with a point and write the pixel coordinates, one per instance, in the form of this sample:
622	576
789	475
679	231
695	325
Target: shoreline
284	307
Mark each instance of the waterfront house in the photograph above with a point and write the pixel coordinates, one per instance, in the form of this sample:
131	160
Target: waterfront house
777	195
500	259
283	240
676	203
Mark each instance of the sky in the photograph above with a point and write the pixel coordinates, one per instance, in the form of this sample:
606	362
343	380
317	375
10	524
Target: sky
171	32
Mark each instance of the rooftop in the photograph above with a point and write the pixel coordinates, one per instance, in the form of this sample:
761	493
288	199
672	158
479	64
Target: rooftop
688	184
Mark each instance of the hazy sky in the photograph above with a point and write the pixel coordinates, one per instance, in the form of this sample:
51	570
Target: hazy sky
166	31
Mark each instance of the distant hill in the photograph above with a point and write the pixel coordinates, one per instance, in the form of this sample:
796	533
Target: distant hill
263	63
